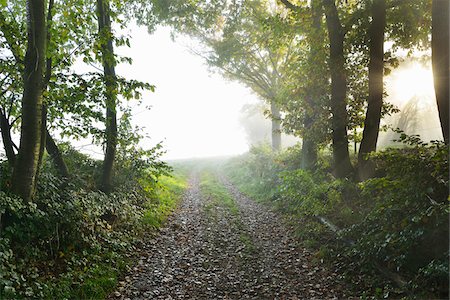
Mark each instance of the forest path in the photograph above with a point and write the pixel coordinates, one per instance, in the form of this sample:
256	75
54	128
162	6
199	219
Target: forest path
221	245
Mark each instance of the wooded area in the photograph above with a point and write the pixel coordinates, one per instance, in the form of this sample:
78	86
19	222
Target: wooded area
320	67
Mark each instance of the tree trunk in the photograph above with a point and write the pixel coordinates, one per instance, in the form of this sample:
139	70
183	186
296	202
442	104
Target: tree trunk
315	90
50	144
108	60
5	127
309	154
56	156
369	140
43	138
341	158
276	126
440	60
24	175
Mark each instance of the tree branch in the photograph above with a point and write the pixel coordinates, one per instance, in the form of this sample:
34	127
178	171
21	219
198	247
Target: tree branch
290	6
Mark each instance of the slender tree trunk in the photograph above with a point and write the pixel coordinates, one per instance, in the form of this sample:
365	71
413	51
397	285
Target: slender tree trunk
341	158
369	140
105	34
46	80
440	60
56	156
5	127
43	139
309	145
309	150
24	175
276	126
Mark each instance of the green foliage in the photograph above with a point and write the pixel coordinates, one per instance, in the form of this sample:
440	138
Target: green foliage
164	198
315	195
255	173
398	220
73	241
407	228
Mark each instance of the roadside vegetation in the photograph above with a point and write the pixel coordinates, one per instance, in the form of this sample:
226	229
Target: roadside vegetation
73	242
388	234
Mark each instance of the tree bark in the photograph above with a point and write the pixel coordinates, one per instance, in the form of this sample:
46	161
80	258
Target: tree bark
56	156
369	140
341	158
43	138
440	61
276	126
5	127
108	61
24	175
315	90
309	154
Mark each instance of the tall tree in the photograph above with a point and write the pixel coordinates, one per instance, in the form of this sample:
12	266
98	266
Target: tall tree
242	50
276	126
108	61
24	175
315	89
375	99
308	115
440	61
341	158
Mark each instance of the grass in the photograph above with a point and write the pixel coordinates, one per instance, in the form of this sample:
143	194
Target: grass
213	189
220	197
169	192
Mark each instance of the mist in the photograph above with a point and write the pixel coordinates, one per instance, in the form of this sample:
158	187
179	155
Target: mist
410	88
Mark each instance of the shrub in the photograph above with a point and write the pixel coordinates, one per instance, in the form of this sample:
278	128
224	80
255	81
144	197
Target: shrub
72	241
407	228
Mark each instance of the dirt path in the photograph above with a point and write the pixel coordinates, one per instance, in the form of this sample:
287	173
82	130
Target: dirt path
209	250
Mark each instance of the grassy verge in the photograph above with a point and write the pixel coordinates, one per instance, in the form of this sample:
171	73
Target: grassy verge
98	276
169	191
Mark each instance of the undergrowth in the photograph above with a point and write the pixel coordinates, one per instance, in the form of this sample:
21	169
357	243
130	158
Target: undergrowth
73	241
397	220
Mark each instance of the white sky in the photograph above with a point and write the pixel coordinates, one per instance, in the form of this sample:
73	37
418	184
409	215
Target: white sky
195	113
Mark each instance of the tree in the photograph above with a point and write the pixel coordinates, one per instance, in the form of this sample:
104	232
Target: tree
336	32
315	89
243	50
375	99
11	82
26	166
108	61
308	76
440	61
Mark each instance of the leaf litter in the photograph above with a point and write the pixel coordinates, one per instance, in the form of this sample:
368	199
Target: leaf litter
214	254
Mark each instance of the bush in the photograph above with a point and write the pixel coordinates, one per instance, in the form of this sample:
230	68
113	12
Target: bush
398	219
73	241
408	227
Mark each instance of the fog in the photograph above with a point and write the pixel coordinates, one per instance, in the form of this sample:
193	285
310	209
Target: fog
196	113
410	88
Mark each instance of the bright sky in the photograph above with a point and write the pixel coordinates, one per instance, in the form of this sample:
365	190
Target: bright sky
412	79
195	113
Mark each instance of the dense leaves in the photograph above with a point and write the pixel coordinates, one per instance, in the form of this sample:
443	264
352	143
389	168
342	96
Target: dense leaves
56	246
397	221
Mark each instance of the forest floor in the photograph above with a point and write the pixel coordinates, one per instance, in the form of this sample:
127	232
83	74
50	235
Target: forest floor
221	245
